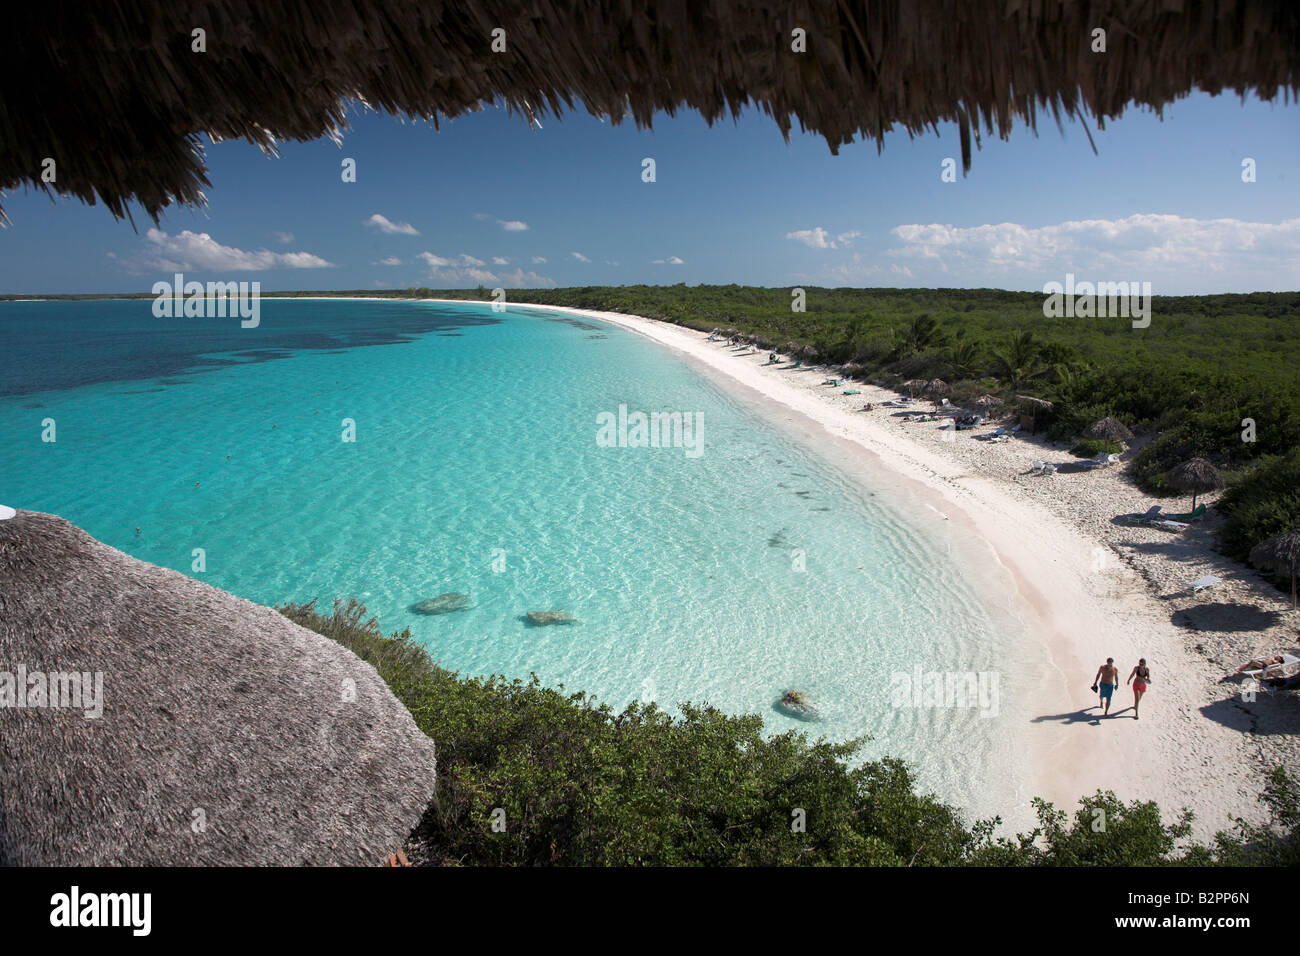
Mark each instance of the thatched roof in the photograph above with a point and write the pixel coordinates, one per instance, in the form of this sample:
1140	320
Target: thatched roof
1111	429
1037	404
1195	475
1281	554
937	386
115	93
291	748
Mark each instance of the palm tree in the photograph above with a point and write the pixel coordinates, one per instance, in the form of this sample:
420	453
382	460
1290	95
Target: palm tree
964	360
1021	361
923	333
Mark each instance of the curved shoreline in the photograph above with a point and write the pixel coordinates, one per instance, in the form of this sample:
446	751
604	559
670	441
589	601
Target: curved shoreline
1086	589
1074	590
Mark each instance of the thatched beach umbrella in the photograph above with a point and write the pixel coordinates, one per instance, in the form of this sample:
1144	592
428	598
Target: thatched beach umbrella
988	402
937	388
1108	429
1280	554
228	734
915	386
1196	476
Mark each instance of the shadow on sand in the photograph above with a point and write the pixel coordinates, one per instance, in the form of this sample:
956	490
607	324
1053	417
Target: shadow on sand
1222	616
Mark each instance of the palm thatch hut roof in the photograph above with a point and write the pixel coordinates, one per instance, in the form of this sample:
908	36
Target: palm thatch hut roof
937	386
914	386
988	401
228	734
121	116
1196	476
1109	429
1036	404
1280	554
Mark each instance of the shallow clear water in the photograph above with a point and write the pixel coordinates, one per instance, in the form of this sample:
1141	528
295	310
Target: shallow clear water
728	578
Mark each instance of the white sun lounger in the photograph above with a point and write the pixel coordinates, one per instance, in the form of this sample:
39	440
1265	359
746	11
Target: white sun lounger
1102	460
1209	581
1168	525
1288	660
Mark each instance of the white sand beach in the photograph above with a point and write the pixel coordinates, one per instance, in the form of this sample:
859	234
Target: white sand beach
1088	587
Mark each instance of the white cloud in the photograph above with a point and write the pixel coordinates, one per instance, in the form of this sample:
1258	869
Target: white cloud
670	261
500	261
467	270
285	237
538	260
579	256
198	250
1179	256
389	261
815	238
383	224
512	225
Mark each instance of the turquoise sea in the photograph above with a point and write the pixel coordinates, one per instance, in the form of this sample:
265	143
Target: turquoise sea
729	577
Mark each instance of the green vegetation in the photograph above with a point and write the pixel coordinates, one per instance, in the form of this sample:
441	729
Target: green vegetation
1092	447
582	785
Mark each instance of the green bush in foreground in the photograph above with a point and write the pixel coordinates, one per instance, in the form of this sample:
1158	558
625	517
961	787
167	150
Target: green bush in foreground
582	785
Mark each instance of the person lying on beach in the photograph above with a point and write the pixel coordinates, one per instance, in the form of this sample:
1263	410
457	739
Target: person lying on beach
1259	664
1104	684
1143	675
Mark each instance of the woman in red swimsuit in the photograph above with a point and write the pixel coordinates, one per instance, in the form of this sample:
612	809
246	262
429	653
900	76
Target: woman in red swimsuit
1140	678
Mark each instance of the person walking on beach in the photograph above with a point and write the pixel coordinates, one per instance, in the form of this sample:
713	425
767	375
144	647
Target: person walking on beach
1140	677
1104	684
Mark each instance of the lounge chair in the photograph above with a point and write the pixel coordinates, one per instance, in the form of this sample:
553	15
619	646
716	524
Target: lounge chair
853	391
1273	664
1209	581
1148	515
1102	460
1043	468
1196	515
1164	524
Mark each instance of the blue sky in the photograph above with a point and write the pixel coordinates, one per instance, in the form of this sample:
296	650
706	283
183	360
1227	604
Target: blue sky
489	200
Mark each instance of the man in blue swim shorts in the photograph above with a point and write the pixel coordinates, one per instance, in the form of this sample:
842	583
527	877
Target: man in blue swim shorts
1104	684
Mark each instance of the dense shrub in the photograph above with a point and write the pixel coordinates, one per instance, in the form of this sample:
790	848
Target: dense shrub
1092	447
582	785
1261	504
